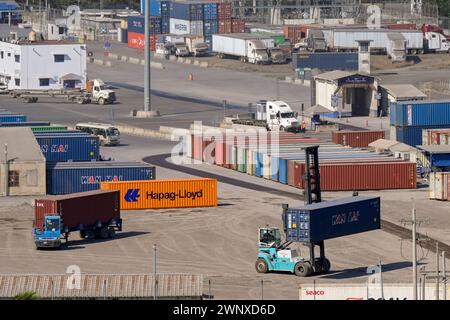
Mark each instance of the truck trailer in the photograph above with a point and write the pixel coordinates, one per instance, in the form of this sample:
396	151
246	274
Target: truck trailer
94	214
246	47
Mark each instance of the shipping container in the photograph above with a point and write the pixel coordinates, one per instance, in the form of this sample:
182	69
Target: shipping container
325	60
178	26
295	33
24	124
136	24
78	209
52	128
225	26
402	26
165	9
359	176
210	11
165	25
420	113
238	26
236	44
137	41
186	11
440	186
155	7
412	135
72	177
356	139
159	194
332	219
56	148
12	118
435	136
210	27
224	10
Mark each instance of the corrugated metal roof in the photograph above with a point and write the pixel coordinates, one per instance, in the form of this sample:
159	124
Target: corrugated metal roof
22	145
404	91
435	149
382	144
101	286
317	109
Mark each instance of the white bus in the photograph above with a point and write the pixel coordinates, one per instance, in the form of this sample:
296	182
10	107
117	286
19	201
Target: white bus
108	134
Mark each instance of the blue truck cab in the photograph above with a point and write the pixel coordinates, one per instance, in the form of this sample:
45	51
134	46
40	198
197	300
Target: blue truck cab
50	237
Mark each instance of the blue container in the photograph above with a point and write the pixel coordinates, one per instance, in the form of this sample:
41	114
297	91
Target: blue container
155	7
186	11
208	42
259	160
413	135
274	163
283	171
332	219
210	27
69	147
210	11
12	118
441	160
72	177
326	61
165	9
25	124
420	113
136	24
61	133
165	25
8	6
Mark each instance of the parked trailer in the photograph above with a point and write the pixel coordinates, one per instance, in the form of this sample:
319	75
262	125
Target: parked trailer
95	214
345	39
24	124
247	47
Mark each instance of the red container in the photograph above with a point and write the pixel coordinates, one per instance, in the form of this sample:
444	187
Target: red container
356	139
237	25
295	33
354	176
84	208
224	11
402	26
225	26
137	41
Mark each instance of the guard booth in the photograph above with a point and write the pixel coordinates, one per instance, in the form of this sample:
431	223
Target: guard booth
345	93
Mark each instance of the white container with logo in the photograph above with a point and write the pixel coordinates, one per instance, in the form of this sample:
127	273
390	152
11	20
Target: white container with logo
178	26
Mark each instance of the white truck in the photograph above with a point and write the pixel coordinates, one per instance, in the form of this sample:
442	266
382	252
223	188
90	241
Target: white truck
181	50
274	116
96	91
436	42
245	46
196	46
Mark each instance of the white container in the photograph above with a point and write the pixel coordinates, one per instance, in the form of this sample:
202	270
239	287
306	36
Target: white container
439	185
178	26
299	21
174	39
236	44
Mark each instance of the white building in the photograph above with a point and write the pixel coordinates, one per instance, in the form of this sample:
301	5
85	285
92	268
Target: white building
43	65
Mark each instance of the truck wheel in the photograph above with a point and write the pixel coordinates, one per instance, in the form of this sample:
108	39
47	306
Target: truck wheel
101	101
82	234
35	99
261	266
326	265
104	233
111	233
282	129
302	269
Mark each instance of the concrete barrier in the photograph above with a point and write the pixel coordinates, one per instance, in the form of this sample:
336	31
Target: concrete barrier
188	61
99	62
124	58
173	58
204	64
108	63
156	65
113	56
134	60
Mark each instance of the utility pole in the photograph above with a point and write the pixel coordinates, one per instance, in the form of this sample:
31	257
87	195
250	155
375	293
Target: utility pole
154	272
444	272
147	84
5	181
381	279
414	253
437	270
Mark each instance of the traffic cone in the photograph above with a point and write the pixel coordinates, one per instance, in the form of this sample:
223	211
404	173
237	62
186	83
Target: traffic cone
191	77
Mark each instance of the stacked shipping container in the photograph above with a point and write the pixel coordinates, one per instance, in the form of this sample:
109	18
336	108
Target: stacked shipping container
436	137
356	139
409	118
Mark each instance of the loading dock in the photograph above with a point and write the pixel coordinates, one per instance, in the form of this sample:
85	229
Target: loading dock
346	93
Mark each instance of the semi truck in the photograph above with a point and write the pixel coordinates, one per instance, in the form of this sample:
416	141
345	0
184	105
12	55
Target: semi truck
436	42
196	46
96	91
246	47
274	116
94	214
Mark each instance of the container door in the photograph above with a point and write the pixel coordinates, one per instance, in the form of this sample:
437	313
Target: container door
439	186
274	168
282	171
266	167
432	185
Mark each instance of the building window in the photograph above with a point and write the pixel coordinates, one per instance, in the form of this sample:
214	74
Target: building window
59	58
17	58
44	82
2	54
17	81
9	54
13	179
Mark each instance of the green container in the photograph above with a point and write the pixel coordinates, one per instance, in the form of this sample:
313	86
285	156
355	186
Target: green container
277	38
52	128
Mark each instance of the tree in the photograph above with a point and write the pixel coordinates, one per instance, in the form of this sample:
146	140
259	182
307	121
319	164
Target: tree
28	295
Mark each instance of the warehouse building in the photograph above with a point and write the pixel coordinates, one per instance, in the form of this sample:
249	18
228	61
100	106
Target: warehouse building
42	65
346	93
24	163
396	93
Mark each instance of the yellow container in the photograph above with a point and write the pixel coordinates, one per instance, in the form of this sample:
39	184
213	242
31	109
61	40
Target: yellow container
158	194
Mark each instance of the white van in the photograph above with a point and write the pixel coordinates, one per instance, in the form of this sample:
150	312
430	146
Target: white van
108	134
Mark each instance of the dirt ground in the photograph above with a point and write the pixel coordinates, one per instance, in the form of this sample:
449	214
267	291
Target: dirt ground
419	62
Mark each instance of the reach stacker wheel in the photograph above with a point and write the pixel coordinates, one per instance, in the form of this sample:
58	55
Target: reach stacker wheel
261	266
302	269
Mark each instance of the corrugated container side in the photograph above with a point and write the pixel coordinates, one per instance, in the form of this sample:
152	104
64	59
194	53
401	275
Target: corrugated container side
77	177
137	41
413	135
159	194
69	147
25	124
425	113
356	139
225	26
84	208
326	61
12	118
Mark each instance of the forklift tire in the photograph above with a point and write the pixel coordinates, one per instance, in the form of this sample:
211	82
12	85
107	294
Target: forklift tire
261	266
326	265
302	269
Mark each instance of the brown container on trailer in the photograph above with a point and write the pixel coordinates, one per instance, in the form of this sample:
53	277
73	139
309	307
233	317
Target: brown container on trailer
361	176
79	208
356	139
402	26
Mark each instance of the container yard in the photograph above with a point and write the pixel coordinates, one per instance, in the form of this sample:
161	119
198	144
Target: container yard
256	151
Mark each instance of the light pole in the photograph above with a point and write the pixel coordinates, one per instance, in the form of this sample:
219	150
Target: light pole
147	84
154	270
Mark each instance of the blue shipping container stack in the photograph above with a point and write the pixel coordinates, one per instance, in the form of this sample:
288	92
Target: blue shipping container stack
68	147
186	11
155	9
67	177
165	17
12	117
410	118
136	24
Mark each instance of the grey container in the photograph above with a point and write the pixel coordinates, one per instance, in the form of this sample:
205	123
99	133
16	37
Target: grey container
332	219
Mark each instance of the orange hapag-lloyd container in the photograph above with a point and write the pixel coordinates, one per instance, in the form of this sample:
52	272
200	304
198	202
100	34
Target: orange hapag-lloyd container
159	194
